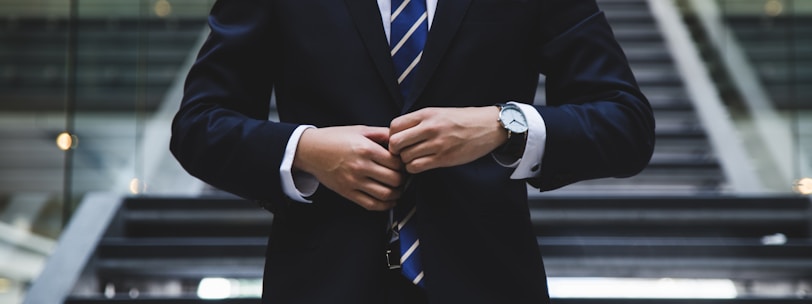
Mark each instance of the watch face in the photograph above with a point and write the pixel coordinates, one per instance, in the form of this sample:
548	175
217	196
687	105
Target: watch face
513	119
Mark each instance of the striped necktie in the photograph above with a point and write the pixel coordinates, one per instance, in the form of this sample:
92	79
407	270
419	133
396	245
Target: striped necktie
405	224
409	29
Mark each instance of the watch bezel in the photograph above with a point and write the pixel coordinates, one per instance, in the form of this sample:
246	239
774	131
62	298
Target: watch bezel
512	128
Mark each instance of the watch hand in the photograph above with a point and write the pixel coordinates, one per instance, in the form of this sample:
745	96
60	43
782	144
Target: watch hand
517	122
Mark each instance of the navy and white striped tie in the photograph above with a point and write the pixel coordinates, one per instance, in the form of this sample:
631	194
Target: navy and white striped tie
409	29
405	224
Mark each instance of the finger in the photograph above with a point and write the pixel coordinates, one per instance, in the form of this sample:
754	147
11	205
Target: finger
387	159
386	176
380	156
383	157
422	164
418	150
406	121
379	135
380	191
406	138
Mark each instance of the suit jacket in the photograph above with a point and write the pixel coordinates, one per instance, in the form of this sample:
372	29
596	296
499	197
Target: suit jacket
328	64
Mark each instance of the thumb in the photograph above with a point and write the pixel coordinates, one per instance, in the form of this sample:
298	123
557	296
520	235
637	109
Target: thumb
380	135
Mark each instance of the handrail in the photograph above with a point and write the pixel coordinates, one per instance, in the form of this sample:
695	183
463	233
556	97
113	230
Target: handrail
706	99
75	248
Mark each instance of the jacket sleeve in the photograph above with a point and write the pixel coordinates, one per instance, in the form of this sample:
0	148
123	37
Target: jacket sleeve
598	122
221	133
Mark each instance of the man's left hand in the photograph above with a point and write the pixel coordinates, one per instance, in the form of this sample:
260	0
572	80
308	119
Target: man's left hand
443	137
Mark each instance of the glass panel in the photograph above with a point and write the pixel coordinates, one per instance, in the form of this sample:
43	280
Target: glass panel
775	38
130	54
79	82
758	52
33	86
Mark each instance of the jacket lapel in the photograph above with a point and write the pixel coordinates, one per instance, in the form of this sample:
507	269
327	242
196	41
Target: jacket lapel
447	20
367	18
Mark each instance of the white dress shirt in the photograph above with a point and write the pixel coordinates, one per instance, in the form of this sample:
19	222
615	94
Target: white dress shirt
300	186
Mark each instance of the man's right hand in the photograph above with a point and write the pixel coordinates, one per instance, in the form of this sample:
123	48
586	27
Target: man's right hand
354	162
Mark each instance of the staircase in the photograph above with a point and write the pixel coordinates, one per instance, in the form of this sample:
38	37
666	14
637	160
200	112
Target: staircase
683	163
157	250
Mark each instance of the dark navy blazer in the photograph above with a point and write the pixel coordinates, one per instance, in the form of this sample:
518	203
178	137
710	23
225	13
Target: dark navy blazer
328	63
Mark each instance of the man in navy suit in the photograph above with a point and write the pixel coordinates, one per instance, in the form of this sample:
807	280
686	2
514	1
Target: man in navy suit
455	135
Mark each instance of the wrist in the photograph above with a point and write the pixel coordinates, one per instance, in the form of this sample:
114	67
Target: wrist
514	124
301	157
499	134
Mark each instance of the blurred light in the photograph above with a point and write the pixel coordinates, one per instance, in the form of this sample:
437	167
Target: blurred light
134	293
21	223
66	141
5	285
248	288
775	239
162	8
774	7
137	186
627	288
214	288
109	290
803	186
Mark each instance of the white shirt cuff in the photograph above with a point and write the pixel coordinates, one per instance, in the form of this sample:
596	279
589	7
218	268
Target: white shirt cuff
529	165
296	185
